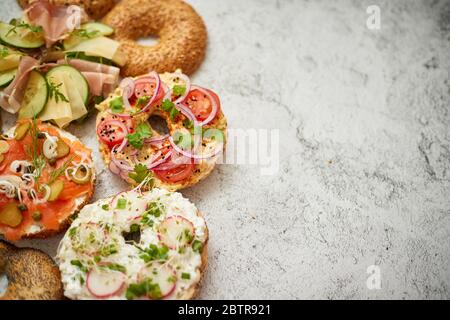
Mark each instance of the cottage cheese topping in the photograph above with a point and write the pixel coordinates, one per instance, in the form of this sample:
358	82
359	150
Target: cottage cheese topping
125	235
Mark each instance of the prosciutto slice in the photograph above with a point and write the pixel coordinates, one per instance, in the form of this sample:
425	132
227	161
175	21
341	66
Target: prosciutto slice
12	96
89	66
100	83
56	21
102	78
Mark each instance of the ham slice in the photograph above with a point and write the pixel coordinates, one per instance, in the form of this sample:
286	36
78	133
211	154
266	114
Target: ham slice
89	66
100	84
12	96
56	21
102	78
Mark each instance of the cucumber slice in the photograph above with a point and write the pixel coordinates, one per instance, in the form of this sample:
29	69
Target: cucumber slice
87	31
102	28
35	96
81	83
7	77
21	38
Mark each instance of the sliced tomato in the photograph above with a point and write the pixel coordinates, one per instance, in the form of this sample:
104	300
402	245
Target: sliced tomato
146	87
174	172
110	132
200	104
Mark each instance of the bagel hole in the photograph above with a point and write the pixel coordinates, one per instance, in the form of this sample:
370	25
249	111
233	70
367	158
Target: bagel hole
158	124
3	284
148	41
134	236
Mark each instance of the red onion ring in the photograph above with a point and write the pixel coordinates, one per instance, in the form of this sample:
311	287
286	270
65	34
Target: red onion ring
158	139
113	168
186	79
152	163
115	149
119	163
168	93
127	85
187	113
192	155
214	106
175	161
155	75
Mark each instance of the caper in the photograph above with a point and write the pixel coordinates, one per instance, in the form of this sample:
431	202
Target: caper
22	207
41	135
37	216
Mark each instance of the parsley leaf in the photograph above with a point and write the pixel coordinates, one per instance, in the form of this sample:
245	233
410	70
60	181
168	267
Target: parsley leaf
135	140
143	131
178	90
169	106
116	105
142	100
140	173
105	207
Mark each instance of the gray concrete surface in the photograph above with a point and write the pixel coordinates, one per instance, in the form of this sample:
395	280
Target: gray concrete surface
364	174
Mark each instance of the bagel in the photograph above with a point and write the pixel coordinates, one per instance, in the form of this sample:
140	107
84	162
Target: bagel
37	203
135	245
31	274
169	166
181	32
94	8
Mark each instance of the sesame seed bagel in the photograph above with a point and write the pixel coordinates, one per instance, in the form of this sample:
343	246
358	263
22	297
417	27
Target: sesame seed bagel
170	169
135	245
181	32
94	8
54	215
31	274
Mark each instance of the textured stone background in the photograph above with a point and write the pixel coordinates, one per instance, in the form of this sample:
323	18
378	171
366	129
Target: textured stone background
364	174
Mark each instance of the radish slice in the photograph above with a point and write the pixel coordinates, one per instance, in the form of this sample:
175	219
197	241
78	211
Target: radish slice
176	232
161	274
105	283
137	206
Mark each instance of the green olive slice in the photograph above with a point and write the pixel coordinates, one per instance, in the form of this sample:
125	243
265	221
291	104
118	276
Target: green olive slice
82	175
